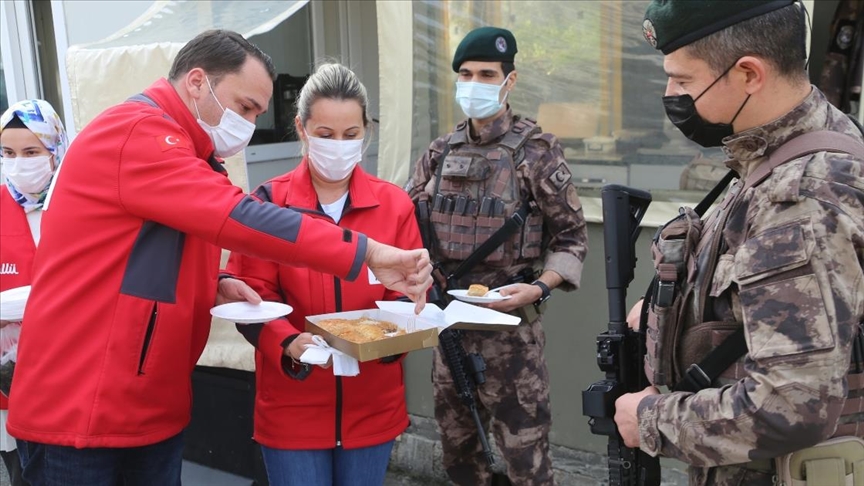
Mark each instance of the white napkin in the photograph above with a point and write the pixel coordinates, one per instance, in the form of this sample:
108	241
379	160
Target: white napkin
320	352
9	342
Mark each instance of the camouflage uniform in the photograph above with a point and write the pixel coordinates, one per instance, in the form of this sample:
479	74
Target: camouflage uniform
515	397
790	269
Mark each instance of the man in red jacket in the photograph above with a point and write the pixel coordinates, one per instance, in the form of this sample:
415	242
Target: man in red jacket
127	270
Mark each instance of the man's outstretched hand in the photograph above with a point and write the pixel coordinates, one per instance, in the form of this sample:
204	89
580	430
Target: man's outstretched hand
406	271
235	290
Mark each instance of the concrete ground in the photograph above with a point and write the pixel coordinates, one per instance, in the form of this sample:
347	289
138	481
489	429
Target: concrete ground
195	475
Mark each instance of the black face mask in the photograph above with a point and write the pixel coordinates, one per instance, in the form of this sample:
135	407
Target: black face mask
681	111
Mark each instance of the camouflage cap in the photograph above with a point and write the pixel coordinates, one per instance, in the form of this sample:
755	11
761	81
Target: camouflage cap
485	44
671	24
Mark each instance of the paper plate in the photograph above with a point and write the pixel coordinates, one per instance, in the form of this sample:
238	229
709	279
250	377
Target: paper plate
12	303
491	296
246	313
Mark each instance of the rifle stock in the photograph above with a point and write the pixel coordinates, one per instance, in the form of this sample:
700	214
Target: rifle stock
620	350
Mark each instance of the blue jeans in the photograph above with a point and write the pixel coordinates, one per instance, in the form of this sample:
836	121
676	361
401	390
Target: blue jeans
51	465
365	466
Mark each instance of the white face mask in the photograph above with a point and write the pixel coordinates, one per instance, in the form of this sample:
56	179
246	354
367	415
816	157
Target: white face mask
28	175
334	159
233	132
480	100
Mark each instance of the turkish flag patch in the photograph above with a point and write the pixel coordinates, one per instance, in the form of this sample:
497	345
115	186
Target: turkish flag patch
168	142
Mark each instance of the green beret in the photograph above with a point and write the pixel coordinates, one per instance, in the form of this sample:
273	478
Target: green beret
485	44
671	24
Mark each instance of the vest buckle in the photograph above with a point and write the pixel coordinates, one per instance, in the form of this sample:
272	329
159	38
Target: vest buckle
697	378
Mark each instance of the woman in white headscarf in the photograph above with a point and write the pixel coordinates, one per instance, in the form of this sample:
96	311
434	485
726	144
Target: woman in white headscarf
32	144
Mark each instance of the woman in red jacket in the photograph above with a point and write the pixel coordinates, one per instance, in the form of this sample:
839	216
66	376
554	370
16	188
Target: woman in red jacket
32	144
316	428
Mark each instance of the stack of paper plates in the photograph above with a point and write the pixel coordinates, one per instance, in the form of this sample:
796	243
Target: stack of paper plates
12	303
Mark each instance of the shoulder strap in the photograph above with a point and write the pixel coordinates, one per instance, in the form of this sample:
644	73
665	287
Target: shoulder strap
518	135
702	375
439	169
808	143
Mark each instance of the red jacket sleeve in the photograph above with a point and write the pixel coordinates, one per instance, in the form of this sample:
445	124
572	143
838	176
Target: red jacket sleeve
173	187
263	277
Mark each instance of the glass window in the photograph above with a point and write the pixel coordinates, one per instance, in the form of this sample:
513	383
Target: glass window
585	73
4	97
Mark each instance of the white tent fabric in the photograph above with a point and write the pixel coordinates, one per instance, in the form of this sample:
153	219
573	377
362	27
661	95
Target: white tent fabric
107	72
180	20
395	38
100	78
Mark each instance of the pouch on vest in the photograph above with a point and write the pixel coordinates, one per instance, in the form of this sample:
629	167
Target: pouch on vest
835	462
673	251
453	226
532	236
476	192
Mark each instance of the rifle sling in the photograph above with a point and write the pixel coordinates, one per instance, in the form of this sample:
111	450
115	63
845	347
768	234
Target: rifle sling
702	375
510	227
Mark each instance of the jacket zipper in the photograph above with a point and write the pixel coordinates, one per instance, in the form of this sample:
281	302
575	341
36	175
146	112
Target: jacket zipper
337	290
338	411
148	336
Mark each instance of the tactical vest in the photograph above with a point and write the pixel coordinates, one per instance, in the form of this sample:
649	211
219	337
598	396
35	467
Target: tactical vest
476	190
675	249
686	244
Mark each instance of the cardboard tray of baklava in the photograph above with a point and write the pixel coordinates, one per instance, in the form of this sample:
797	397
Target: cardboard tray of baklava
424	334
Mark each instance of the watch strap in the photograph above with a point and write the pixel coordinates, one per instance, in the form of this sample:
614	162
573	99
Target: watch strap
546	292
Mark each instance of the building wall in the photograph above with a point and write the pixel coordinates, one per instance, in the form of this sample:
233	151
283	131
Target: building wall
572	323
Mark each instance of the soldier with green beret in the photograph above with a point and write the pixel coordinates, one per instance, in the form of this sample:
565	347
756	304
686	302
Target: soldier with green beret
486	44
497	166
778	263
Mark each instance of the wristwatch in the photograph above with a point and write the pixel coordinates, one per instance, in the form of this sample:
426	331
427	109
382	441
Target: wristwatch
545	295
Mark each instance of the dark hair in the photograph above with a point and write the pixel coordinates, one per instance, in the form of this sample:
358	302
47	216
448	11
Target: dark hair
219	52
333	82
15	122
777	37
507	68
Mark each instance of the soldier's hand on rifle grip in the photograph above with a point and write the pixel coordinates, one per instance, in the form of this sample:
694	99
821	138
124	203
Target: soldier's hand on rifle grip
626	408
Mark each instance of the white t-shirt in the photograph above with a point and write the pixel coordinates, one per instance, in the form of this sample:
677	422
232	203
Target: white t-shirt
334	209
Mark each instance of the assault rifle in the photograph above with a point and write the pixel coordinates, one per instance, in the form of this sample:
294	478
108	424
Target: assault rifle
620	350
467	370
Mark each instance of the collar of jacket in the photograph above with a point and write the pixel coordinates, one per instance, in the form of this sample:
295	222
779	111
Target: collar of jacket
750	147
300	193
488	134
164	94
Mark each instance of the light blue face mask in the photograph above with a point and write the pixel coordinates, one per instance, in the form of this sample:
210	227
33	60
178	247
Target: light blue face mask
480	100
